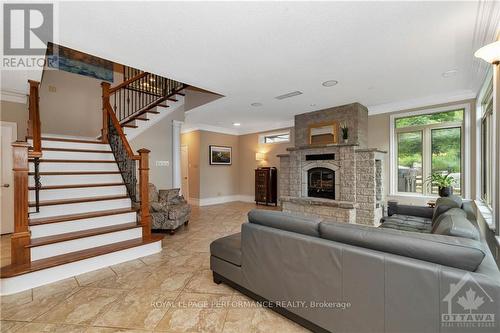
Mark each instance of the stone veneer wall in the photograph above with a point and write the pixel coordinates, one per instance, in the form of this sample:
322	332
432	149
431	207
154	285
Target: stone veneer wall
354	115
369	191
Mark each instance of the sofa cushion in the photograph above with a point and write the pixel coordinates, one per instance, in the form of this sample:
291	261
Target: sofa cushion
444	204
227	248
455	252
152	193
448	212
168	195
455	225
285	221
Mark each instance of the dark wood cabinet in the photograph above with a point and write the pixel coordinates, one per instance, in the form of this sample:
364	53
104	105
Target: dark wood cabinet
266	186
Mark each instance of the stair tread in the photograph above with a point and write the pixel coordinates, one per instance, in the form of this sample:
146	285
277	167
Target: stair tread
80	216
42	160
130	126
69	140
16	270
152	111
77	200
140	118
81	234
172	99
70	173
77	150
62	187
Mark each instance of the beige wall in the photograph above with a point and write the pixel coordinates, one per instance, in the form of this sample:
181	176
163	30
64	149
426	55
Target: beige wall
211	181
218	180
75	107
158	139
16	113
379	137
249	145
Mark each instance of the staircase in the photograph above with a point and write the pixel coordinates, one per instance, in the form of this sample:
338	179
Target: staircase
82	204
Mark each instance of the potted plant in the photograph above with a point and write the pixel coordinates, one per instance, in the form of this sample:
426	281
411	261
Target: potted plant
443	182
345	132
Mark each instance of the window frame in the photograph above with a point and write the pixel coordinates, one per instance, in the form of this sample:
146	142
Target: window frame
487	119
264	136
427	148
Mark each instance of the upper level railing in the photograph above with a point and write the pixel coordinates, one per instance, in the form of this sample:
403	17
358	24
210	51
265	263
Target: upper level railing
140	92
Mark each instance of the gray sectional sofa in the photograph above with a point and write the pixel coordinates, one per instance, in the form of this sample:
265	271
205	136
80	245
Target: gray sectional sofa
332	277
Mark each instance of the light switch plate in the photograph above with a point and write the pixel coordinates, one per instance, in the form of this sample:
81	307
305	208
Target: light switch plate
162	163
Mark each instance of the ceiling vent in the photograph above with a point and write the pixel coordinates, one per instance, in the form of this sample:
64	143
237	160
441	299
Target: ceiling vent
291	94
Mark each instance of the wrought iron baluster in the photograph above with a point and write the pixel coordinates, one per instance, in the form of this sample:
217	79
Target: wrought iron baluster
38	183
126	165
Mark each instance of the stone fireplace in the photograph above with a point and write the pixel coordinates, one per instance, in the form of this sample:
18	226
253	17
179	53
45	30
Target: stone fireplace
341	182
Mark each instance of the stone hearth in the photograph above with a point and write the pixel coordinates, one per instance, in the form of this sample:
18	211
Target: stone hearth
358	171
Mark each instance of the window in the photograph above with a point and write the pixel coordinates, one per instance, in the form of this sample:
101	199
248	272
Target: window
275	137
427	144
487	146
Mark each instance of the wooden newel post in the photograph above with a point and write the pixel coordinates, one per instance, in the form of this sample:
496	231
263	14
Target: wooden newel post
20	254
105	100
144	195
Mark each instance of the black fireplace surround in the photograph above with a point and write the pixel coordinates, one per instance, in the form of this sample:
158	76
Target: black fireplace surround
321	183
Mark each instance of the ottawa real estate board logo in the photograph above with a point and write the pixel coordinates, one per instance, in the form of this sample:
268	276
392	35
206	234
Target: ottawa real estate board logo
468	305
27	28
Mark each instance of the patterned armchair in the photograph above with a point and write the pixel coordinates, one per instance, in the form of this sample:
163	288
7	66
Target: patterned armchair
168	209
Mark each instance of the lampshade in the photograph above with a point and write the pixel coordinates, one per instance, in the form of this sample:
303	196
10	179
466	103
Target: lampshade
260	156
490	53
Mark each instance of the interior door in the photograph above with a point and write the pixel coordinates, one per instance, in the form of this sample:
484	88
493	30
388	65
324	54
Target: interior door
8	132
185	172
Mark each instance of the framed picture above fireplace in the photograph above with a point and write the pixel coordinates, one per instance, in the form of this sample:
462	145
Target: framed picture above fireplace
324	133
220	155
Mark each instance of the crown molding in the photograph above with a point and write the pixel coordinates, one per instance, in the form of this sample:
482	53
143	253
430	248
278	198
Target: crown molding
453	96
13	96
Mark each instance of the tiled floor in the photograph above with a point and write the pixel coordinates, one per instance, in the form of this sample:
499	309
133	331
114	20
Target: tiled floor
171	291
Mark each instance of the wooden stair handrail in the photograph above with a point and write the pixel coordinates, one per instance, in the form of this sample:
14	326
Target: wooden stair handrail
117	126
127	82
34	123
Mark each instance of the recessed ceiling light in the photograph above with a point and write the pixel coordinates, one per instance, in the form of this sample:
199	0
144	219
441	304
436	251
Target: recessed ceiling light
256	104
329	83
236	124
312	104
450	73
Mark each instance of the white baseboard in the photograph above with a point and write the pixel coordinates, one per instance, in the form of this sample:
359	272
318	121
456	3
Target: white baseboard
221	200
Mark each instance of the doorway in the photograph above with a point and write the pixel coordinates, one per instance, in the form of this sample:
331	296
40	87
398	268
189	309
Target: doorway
8	132
185	171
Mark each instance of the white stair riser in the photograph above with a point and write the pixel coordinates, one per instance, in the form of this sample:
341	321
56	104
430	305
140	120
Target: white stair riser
82	192
72	145
71	155
76	208
76	179
52	167
51	250
27	281
78	225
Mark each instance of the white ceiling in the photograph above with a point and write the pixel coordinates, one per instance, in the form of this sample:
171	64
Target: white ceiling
385	55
